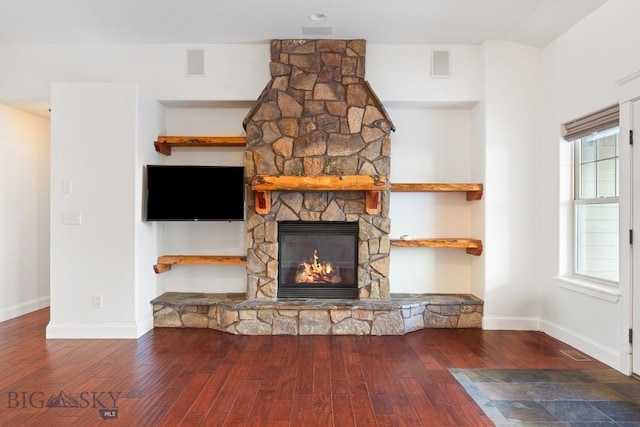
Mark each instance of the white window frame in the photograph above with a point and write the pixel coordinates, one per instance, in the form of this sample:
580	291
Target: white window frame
578	201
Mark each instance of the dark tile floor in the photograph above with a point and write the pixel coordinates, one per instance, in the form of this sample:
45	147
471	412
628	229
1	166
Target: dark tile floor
554	397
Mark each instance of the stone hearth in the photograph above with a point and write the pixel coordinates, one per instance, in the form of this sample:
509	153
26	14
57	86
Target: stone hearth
398	315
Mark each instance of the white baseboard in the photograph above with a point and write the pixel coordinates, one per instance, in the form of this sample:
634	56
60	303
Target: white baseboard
501	323
87	331
598	351
145	325
16	310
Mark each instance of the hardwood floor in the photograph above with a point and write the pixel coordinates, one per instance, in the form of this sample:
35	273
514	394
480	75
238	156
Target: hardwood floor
203	377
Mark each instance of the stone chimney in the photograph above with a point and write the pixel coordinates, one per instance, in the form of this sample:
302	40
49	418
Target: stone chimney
318	116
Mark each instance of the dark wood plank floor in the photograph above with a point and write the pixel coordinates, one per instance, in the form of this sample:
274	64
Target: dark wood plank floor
203	377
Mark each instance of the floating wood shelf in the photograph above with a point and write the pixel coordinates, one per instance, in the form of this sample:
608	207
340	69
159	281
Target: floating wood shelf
473	190
473	246
164	143
372	184
166	261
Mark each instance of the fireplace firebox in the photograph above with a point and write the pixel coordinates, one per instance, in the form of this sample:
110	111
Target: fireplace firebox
317	259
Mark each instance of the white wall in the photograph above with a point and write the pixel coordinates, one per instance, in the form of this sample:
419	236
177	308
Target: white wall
511	88
94	137
24	212
579	74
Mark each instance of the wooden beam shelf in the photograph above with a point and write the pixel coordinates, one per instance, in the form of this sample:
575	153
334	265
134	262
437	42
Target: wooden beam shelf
166	261
371	184
164	143
473	246
473	190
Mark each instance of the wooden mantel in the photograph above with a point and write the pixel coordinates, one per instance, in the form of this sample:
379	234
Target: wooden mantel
166	261
473	190
164	143
262	185
472	246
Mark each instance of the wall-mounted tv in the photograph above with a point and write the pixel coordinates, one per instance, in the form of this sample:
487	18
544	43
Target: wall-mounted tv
195	193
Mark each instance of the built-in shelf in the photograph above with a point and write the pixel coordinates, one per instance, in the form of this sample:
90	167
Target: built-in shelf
164	143
371	184
473	190
473	246
166	261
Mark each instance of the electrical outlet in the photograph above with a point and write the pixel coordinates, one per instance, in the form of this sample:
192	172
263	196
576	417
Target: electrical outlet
97	301
71	218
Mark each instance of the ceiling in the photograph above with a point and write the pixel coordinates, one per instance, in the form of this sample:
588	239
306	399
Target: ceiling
530	22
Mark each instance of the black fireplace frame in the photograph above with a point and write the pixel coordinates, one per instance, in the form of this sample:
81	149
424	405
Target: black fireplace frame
322	291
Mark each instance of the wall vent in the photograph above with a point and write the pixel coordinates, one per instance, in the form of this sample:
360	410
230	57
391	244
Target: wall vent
195	62
440	63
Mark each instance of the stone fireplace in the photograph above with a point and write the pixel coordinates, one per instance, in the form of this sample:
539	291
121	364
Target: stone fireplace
318	117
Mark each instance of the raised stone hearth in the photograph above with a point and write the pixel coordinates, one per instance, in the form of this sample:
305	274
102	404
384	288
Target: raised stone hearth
234	314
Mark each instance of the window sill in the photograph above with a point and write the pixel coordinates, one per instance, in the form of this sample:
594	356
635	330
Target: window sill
590	288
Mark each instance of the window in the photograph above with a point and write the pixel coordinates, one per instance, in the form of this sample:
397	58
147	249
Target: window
596	205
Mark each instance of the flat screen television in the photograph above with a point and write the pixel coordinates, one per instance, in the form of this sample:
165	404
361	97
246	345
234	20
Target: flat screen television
195	193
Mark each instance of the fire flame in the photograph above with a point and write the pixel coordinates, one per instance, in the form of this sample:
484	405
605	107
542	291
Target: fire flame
317	272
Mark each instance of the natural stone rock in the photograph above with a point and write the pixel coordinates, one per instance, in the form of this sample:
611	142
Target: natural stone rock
293	166
370	134
354	115
289	107
280	83
269	289
264	157
381	266
362	314
254	264
265	315
413	323
267	111
247	315
470	320
328	123
388	324
279	69
253	327
314	108
331	59
313	143
357	96
286	214
285	325
371	114
167	318
332	213
314	322
195	320
301	80
337	108
288	127
351	326
331	45
315	201
344	145
270	132
339	315
341	166
349	66
283	146
307	63
372	150
227	317
293	200
313	165
329	92
297	46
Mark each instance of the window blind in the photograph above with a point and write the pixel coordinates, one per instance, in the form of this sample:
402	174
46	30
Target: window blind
601	120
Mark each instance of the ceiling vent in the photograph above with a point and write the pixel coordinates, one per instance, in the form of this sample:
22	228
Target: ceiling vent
440	63
195	62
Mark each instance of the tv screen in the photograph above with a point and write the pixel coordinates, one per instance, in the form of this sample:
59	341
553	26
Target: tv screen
195	193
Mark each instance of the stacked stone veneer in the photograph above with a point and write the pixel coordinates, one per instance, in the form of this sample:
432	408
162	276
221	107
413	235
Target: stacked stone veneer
317	116
238	316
